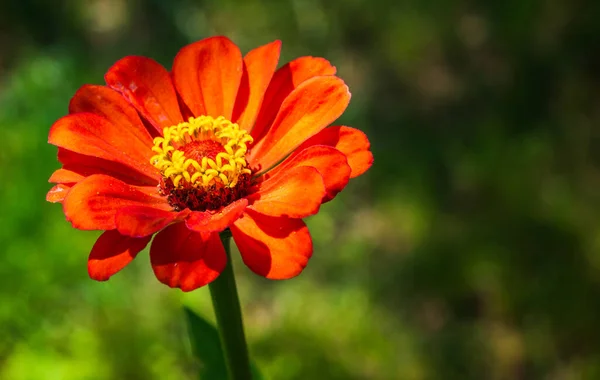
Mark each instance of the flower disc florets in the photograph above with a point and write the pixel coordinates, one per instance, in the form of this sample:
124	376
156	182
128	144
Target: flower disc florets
203	163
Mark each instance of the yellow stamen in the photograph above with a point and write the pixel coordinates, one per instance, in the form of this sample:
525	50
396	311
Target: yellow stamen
225	166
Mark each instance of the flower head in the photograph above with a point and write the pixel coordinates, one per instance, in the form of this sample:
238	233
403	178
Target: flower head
222	141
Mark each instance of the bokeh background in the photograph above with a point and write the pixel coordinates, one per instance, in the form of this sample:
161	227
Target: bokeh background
471	249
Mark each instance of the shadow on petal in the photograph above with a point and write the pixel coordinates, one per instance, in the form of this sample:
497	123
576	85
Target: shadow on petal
273	247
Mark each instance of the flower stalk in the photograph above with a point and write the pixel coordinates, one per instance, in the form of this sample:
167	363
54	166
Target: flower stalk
223	292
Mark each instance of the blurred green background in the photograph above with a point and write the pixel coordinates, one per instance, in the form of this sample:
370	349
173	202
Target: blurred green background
471	249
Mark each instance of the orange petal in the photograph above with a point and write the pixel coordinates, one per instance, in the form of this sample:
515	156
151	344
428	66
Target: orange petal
330	162
58	193
295	193
78	166
92	203
259	66
65	176
93	135
209	221
285	80
139	221
148	87
207	75
312	106
350	141
186	259
112	252
109	104
276	248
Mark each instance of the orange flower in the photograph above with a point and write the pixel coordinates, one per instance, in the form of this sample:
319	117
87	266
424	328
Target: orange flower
222	141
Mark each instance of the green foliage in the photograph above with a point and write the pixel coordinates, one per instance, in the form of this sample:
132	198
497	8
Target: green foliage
207	348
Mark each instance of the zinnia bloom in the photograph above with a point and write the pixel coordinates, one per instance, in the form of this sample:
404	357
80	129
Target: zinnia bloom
222	141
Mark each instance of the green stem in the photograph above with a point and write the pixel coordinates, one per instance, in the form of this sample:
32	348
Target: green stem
226	303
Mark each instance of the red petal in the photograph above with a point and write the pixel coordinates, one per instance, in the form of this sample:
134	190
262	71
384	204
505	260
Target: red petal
138	221
295	193
312	106
58	193
65	176
330	162
185	259
109	104
259	66
148	87
92	203
207	75
285	80
81	166
350	141
209	221
112	252
93	135
276	248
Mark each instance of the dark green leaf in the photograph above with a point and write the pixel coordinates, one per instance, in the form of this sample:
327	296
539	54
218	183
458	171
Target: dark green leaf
207	348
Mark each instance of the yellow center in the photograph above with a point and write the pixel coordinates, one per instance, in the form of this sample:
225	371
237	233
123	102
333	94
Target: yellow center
202	152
